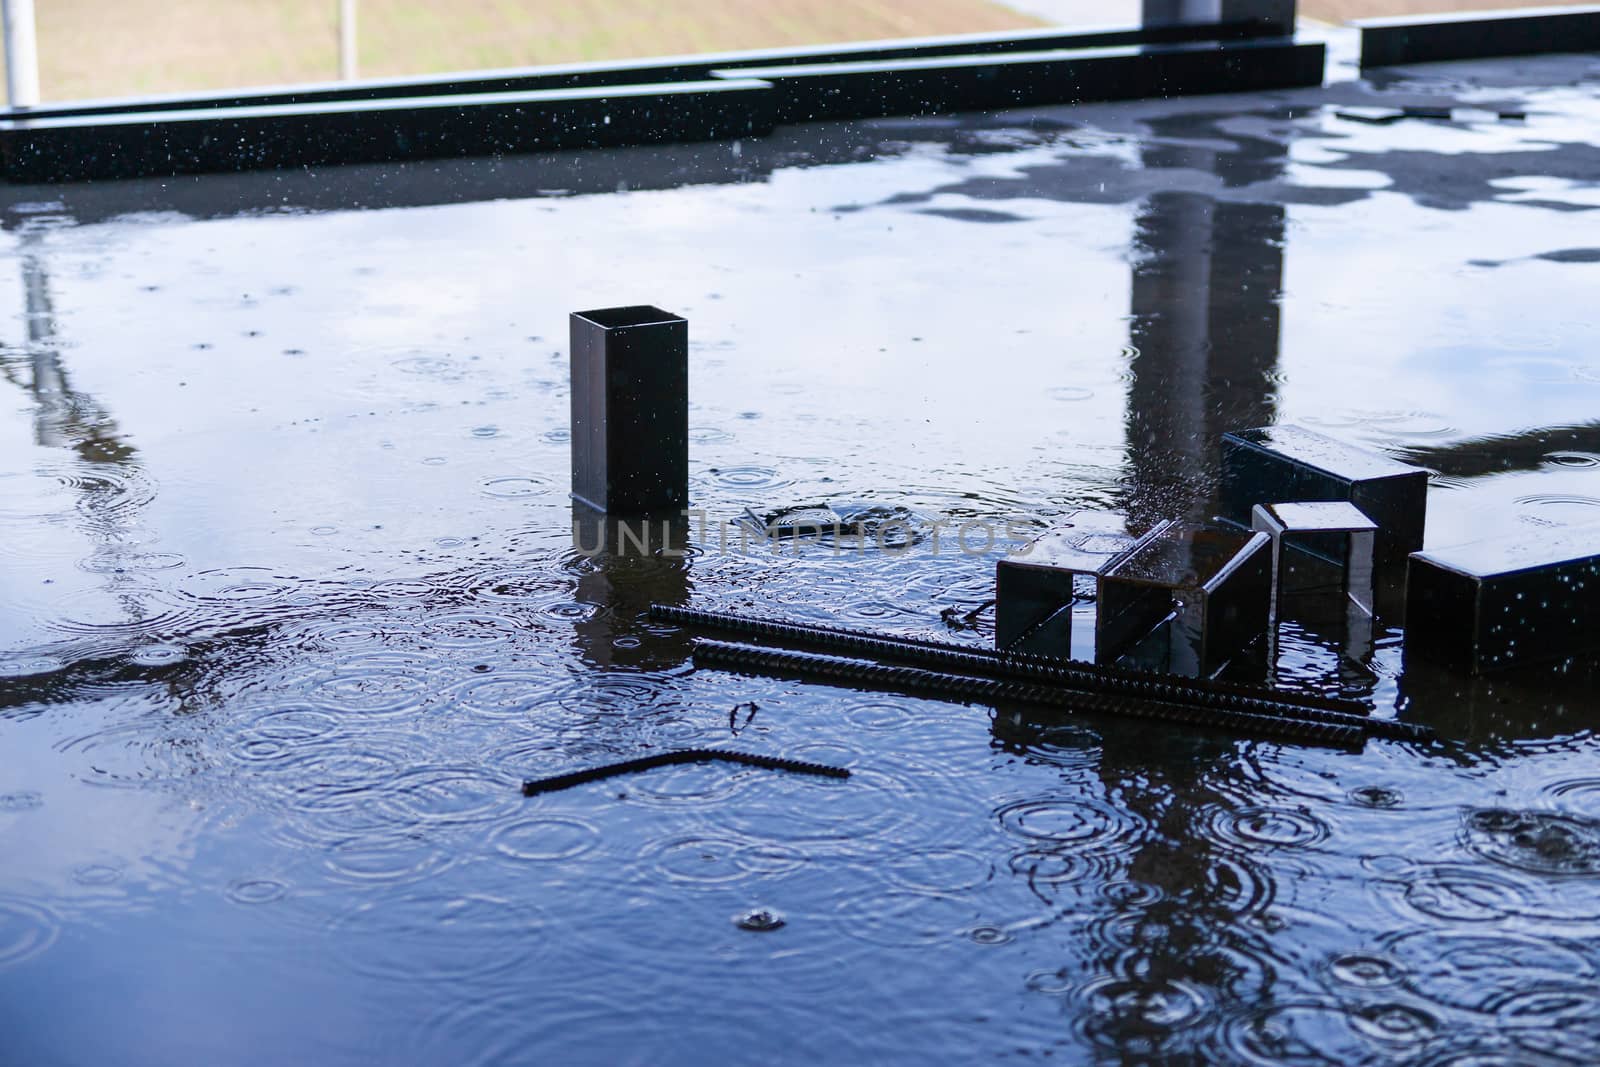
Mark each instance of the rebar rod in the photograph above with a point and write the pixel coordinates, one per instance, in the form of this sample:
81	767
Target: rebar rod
1084	677
760	626
757	659
534	786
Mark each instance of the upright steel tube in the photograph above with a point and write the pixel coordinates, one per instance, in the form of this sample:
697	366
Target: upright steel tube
630	410
22	54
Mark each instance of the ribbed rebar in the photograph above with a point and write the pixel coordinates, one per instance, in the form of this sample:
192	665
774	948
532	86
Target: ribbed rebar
759	660
1088	678
758	626
678	755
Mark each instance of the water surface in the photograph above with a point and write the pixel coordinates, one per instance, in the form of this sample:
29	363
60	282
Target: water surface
289	603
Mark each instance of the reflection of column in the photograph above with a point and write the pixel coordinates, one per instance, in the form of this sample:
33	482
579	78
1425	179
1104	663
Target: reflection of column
1205	324
1205	318
65	418
1171	319
1200	893
48	383
1170	904
1246	294
625	565
62	418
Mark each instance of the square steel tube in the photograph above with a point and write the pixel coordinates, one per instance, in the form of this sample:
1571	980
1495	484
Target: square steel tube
1217	581
630	409
1034	588
1304	527
1500	603
1289	464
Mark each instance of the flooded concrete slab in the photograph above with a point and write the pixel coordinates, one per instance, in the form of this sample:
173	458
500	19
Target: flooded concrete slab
290	604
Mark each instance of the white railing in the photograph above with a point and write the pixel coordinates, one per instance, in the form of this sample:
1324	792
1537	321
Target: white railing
22	54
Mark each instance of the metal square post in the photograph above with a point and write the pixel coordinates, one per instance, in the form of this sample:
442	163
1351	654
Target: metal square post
1316	528
630	409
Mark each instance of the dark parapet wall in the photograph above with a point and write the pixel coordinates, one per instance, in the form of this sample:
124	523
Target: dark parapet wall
1478	34
299	135
735	103
856	90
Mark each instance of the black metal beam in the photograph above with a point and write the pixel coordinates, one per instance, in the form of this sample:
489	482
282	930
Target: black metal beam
299	135
1478	34
733	104
855	90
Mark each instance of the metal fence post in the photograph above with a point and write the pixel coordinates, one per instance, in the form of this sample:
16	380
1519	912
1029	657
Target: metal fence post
347	39
630	410
22	54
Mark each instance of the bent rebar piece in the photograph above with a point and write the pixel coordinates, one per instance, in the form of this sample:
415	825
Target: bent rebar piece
1082	677
755	659
535	786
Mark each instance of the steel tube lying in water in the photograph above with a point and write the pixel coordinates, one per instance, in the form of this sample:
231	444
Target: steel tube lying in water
756	659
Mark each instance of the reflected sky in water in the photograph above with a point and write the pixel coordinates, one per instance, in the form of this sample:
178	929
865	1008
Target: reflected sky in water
289	605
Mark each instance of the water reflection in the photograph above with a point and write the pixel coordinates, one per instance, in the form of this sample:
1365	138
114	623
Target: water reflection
1523	450
1152	852
624	564
1206	290
102	470
63	417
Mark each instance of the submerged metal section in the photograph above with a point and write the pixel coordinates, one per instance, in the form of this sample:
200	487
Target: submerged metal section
1214	584
1498	603
630	410
1288	464
1319	548
1045	594
677	758
1478	34
1335	532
